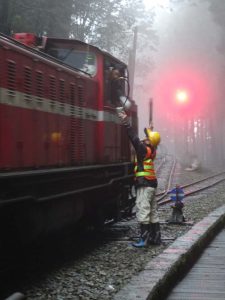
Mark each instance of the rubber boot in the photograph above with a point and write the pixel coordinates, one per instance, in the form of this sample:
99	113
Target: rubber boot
143	241
155	236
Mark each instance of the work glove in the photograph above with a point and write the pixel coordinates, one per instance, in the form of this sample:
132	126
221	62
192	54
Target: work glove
124	118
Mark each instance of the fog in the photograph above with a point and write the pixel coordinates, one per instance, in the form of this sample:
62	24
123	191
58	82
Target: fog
175	51
187	59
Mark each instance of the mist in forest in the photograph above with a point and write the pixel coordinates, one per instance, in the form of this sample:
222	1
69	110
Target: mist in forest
188	62
177	52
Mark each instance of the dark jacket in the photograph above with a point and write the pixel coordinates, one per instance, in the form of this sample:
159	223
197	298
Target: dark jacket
141	150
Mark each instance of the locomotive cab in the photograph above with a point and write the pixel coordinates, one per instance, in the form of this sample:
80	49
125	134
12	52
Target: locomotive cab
94	62
85	58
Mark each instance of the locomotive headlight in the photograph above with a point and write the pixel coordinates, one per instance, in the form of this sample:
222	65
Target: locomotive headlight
56	137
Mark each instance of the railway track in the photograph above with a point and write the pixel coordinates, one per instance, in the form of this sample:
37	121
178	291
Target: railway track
103	268
194	187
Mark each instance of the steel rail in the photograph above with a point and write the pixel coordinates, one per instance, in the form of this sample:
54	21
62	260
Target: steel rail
197	190
171	174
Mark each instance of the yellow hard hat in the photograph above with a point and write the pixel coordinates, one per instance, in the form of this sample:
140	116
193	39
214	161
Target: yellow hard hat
153	136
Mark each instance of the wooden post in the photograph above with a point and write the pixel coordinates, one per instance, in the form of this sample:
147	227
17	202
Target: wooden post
151	113
131	64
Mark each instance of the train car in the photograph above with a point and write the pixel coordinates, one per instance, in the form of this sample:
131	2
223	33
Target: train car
65	159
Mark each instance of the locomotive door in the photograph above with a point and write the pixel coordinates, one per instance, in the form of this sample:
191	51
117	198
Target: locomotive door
113	88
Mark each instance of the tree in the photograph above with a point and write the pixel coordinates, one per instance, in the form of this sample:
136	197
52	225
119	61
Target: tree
38	16
108	24
5	15
217	9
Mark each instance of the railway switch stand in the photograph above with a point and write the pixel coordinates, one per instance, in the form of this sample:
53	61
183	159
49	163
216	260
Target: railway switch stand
177	195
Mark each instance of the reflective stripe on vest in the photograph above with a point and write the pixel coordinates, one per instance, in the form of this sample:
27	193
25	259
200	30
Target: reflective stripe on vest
148	166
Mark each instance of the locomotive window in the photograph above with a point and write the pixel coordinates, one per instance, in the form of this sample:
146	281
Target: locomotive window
113	88
85	61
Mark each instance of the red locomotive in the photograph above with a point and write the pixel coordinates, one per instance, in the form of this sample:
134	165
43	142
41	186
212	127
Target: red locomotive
64	157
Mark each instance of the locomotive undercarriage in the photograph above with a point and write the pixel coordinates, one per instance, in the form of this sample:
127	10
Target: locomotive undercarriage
37	203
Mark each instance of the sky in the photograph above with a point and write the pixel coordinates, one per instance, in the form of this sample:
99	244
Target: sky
154	3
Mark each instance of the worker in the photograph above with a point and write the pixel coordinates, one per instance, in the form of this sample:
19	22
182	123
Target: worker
146	183
116	86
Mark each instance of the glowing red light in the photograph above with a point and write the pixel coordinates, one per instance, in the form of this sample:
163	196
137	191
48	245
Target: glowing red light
182	96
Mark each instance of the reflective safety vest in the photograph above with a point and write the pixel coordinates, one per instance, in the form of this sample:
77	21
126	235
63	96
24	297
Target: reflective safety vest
148	171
